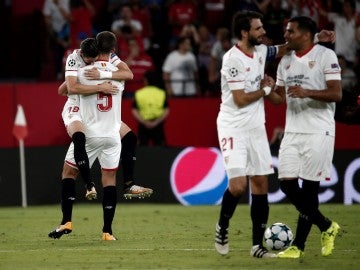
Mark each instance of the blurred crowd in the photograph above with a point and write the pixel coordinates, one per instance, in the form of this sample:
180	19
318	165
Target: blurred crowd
184	40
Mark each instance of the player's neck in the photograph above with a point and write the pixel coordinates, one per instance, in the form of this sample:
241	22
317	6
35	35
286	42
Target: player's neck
246	48
104	57
304	50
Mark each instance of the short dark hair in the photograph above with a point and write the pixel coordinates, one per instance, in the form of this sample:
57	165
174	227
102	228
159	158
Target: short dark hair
106	41
242	21
305	24
89	47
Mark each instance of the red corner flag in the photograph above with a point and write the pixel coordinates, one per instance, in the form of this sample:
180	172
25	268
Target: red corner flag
20	130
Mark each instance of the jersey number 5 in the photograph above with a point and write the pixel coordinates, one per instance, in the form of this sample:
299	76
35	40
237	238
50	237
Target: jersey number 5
105	103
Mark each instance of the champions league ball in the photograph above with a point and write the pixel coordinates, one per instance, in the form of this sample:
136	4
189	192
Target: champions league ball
278	236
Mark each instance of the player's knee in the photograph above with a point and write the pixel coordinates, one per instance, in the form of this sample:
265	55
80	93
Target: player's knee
69	172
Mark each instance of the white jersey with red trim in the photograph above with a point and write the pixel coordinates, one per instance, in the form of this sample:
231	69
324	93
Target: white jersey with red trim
101	113
74	61
310	71
242	71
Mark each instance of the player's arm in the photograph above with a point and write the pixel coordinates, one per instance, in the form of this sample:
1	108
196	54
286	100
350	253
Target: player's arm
74	87
122	74
62	90
333	92
278	95
241	98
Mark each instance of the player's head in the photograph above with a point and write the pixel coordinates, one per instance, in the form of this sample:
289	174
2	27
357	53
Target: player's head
247	24
300	32
152	78
89	50
106	42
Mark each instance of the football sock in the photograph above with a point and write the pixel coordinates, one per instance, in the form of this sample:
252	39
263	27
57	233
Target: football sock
109	206
310	191
259	216
302	231
81	157
128	157
228	206
293	192
67	198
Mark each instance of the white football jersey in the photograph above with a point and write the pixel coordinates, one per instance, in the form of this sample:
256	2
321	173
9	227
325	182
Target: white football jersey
74	61
310	71
101	113
242	71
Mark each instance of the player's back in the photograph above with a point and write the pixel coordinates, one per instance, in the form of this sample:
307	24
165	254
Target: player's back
101	113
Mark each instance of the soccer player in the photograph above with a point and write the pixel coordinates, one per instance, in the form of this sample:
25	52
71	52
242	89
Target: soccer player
101	117
241	127
73	122
309	80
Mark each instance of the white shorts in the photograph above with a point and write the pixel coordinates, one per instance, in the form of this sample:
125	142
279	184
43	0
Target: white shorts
106	149
245	152
306	156
71	110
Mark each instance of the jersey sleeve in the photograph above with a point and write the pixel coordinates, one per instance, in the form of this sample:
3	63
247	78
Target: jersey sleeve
280	79
72	65
114	59
234	73
332	70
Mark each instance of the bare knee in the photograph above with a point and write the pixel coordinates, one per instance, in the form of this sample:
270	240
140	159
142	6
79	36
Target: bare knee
237	186
69	172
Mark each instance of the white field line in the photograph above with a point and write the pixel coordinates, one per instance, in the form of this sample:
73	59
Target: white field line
135	249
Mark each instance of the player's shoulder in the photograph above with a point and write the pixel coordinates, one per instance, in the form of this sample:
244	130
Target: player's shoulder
74	60
324	53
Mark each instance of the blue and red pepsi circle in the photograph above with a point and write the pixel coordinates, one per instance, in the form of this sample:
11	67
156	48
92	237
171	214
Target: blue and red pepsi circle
198	176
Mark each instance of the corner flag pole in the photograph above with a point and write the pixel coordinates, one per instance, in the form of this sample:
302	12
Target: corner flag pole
20	131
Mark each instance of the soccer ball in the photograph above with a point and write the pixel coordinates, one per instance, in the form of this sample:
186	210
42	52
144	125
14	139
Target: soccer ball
278	236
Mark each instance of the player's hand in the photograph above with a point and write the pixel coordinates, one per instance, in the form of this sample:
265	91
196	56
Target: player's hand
267	82
296	92
108	88
327	36
92	74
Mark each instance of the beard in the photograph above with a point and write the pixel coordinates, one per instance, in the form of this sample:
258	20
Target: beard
253	41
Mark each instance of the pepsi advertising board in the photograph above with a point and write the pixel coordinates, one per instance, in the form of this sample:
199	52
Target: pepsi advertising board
189	176
197	177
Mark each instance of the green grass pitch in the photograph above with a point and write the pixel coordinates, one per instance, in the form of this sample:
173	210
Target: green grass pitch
159	236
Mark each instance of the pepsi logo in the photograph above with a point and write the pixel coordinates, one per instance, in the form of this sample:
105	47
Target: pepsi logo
198	176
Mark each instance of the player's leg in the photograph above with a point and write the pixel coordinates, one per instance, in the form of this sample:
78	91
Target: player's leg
231	197
128	158
259	166
77	134
73	123
233	150
318	153
108	179
259	213
68	195
109	161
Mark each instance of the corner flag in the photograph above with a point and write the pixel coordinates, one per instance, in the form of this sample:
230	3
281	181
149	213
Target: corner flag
20	130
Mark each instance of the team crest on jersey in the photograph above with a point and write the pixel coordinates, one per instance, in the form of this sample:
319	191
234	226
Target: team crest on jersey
103	64
72	63
311	64
233	72
260	60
